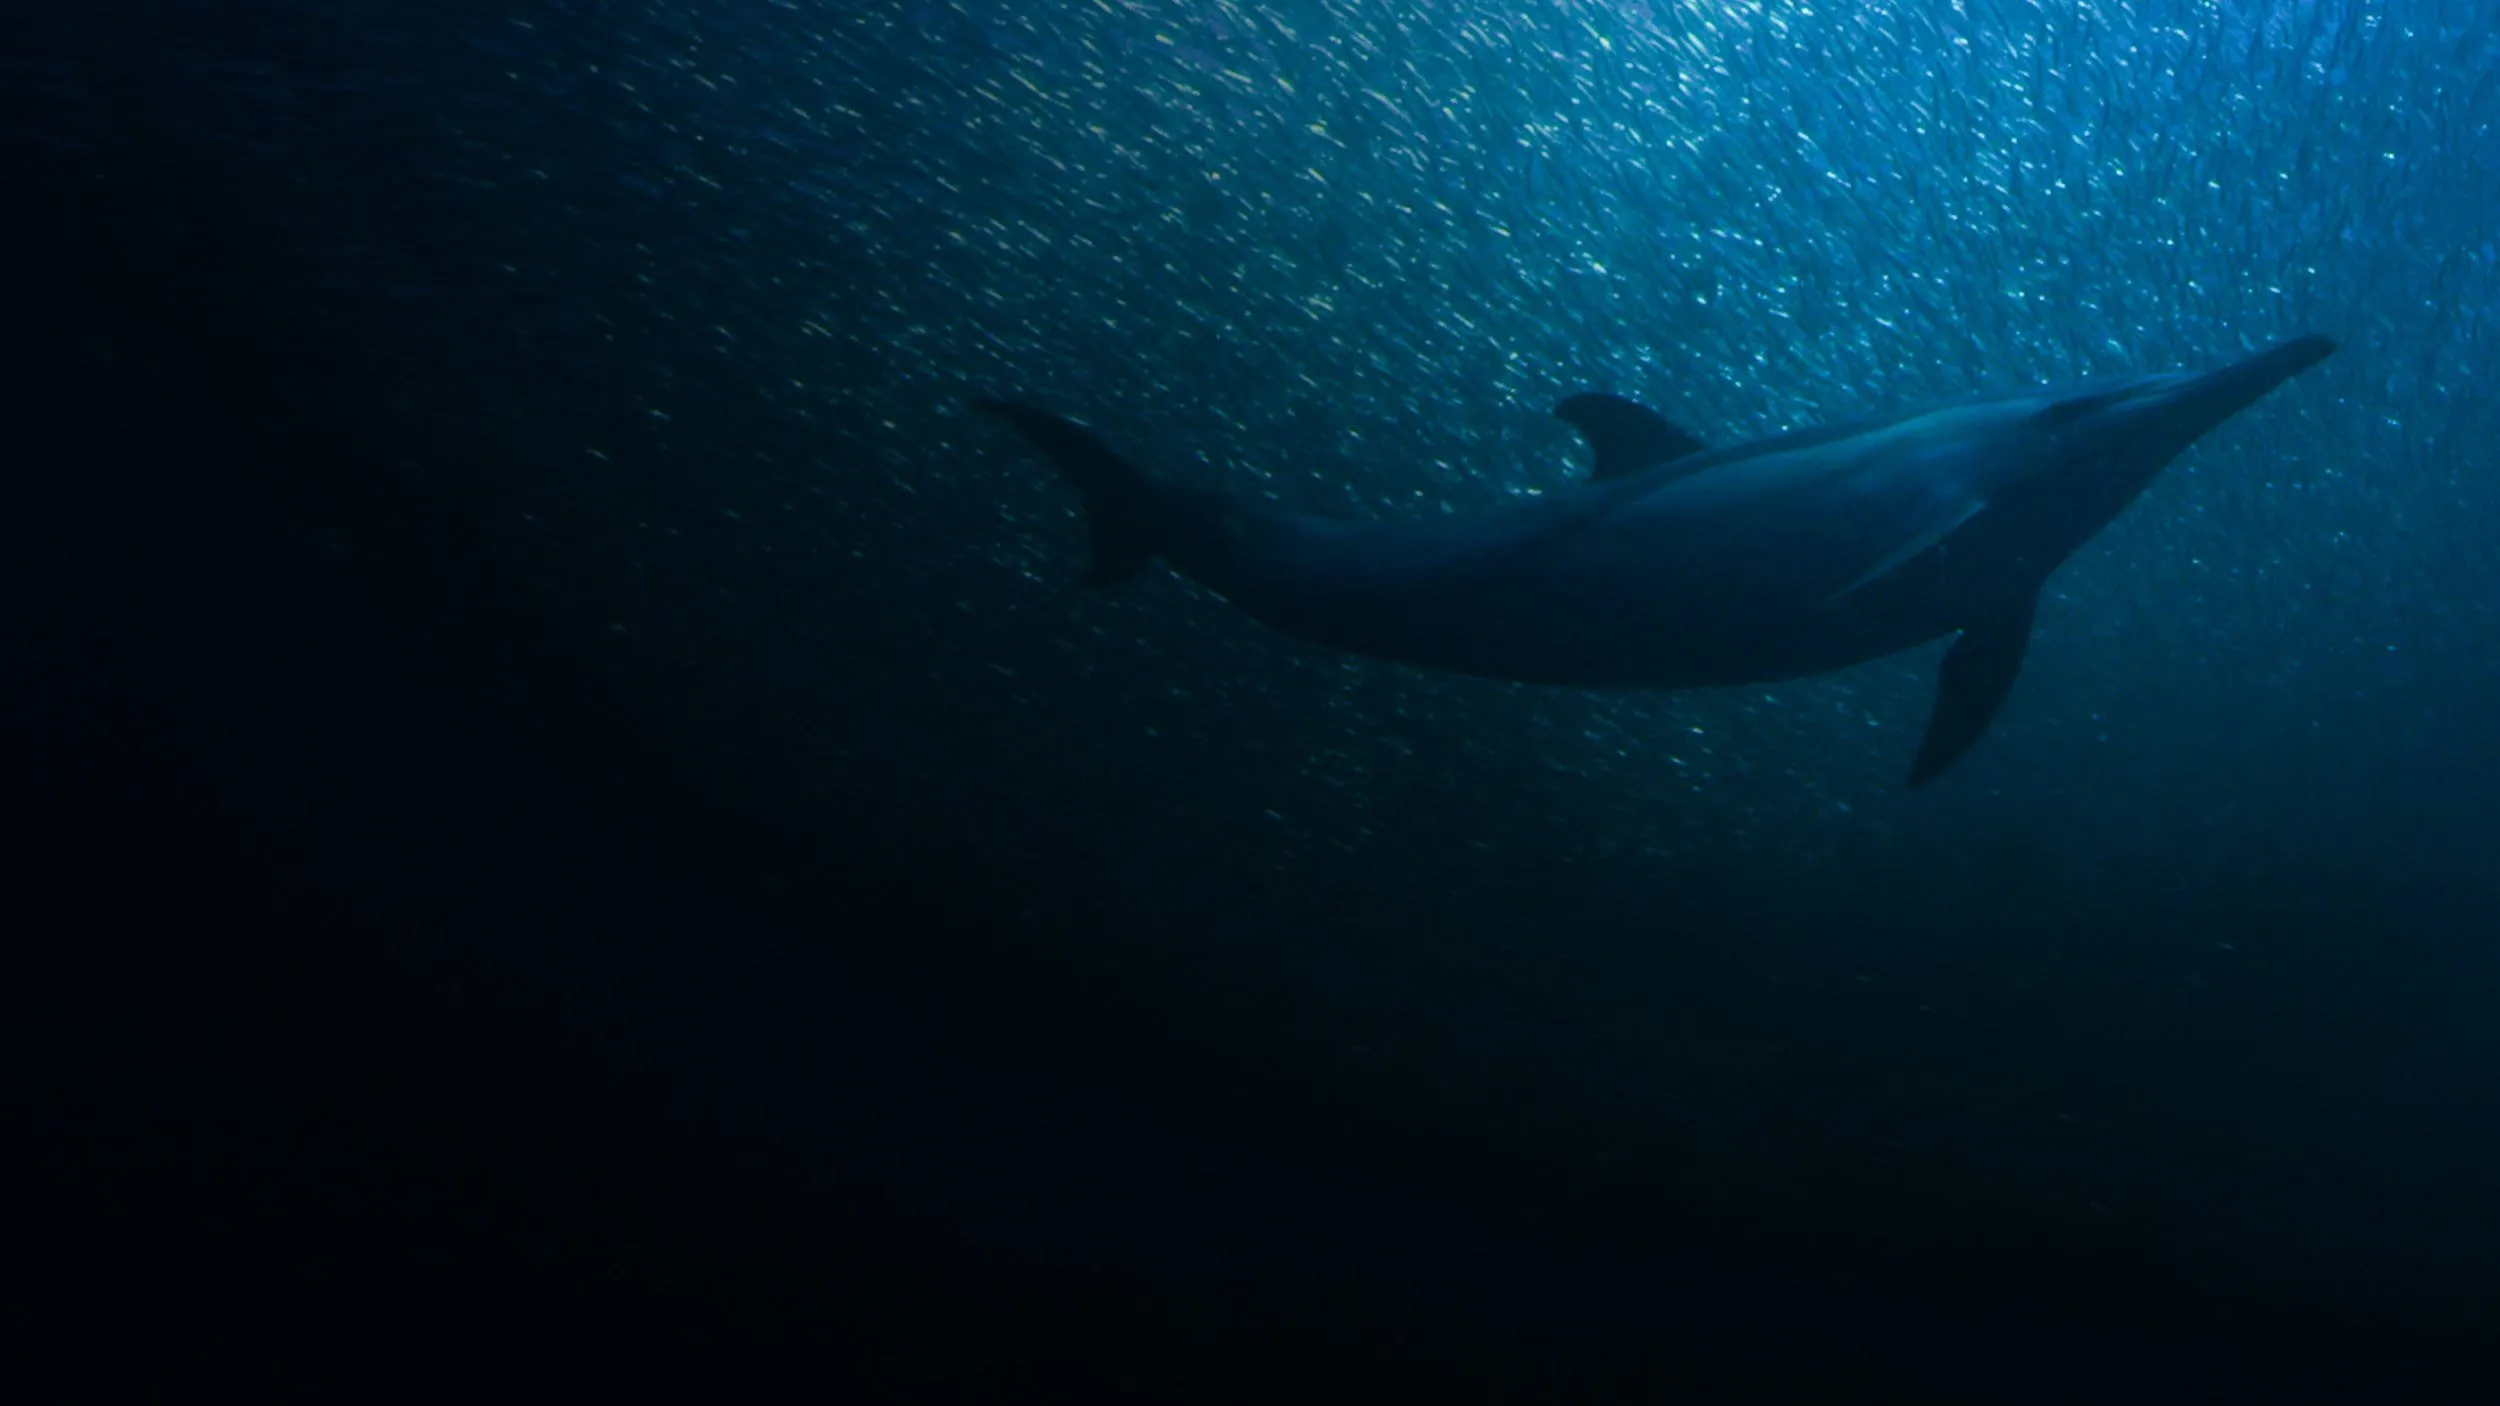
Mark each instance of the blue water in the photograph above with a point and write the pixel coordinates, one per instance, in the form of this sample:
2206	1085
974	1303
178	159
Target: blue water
2191	960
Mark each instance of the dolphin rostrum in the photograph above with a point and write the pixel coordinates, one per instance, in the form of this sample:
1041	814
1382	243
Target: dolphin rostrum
1678	566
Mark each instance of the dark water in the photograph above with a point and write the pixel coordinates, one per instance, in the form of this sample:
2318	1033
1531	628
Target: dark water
579	815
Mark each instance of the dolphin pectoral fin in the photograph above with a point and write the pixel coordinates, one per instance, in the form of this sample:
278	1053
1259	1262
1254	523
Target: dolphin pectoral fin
1120	511
1625	438
1978	673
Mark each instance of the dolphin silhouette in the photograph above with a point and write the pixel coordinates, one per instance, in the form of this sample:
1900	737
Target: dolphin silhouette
1680	566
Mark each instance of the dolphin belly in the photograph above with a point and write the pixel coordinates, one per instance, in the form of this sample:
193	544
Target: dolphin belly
1581	594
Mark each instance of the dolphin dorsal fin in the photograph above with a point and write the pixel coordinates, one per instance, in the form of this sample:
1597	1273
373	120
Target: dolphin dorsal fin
1623	437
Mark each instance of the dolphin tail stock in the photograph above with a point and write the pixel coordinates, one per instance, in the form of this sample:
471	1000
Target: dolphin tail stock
1121	508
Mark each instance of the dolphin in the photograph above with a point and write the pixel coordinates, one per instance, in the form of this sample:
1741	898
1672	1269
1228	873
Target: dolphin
1677	565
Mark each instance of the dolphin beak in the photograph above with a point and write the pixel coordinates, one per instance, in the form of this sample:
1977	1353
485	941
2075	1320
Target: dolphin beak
2198	403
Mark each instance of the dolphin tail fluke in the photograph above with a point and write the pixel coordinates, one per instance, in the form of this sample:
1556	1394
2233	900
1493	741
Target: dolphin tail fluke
1120	511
